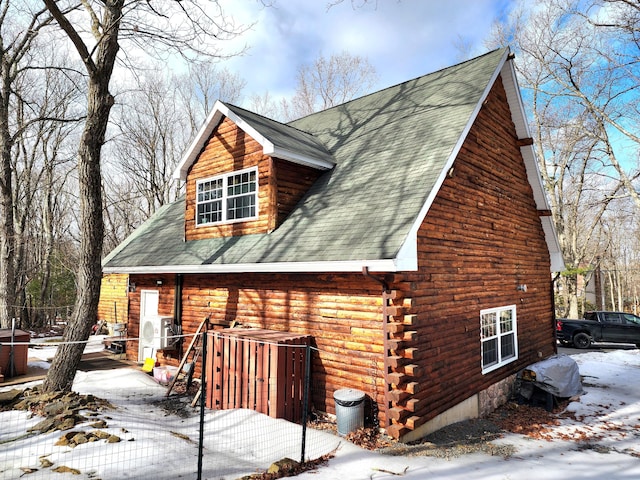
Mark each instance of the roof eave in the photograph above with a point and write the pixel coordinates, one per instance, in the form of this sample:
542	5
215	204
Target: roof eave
555	252
221	110
510	82
314	162
534	176
199	140
506	71
385	265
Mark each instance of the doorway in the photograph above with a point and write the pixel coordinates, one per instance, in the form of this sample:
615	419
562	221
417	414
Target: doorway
149	300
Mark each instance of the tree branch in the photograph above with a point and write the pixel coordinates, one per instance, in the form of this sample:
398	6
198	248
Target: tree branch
72	34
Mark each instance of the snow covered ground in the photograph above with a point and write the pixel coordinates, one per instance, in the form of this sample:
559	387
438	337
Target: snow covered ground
601	440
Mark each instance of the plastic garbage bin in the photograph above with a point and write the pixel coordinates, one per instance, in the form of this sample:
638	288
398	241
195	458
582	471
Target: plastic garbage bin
349	409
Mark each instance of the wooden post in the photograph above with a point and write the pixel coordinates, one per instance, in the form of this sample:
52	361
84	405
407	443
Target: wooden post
387	353
186	354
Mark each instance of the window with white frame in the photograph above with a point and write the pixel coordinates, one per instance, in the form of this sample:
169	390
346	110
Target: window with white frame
227	198
499	337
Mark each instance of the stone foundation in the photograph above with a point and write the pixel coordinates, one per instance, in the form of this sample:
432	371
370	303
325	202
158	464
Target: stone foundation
496	395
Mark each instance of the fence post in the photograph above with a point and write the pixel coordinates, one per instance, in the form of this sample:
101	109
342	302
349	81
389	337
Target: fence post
305	399
203	392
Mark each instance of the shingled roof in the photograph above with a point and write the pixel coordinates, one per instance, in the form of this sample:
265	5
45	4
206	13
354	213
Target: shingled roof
385	156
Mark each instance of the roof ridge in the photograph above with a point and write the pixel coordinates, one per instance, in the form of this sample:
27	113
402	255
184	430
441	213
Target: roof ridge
474	59
285	124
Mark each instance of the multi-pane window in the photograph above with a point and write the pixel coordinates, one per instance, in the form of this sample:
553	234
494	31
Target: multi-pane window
499	337
209	201
227	198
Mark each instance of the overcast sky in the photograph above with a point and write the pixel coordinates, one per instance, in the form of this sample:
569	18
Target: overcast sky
402	39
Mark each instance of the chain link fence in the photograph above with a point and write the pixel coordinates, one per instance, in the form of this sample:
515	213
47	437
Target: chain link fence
246	408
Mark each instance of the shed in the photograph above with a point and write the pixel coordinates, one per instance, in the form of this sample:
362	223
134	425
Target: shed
13	358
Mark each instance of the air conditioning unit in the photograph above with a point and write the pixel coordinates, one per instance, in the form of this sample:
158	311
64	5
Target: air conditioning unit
155	332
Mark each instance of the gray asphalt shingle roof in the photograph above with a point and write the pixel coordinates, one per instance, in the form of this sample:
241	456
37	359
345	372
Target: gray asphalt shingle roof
284	136
389	150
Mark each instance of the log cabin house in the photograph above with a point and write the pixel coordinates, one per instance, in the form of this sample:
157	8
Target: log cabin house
407	233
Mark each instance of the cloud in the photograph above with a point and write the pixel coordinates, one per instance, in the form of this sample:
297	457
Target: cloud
402	39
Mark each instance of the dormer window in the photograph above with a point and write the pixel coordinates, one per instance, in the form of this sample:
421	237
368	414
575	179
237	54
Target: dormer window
227	198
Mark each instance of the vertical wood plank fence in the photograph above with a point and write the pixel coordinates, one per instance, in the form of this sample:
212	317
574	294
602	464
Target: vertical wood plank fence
256	369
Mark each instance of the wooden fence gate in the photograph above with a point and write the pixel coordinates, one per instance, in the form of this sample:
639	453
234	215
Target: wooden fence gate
262	370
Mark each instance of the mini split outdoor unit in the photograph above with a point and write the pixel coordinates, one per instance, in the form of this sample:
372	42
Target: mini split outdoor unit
155	332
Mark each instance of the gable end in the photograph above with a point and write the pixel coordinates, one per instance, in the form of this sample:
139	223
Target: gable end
276	139
230	152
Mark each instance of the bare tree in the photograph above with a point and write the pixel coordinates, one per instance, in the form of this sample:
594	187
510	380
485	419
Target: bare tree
202	85
39	152
594	71
165	27
328	82
19	26
99	63
577	95
120	212
148	141
619	264
57	166
331	81
268	106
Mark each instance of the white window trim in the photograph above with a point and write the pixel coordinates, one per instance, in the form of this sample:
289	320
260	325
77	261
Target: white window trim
501	362
224	198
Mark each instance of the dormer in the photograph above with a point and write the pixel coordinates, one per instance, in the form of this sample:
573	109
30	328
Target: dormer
244	173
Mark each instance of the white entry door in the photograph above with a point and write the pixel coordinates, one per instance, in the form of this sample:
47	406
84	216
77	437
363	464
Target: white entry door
148	308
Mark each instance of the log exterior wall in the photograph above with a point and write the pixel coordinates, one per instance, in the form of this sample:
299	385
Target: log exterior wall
166	308
343	314
291	183
481	238
281	184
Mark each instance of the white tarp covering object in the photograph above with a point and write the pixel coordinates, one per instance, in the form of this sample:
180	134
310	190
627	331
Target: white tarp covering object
558	375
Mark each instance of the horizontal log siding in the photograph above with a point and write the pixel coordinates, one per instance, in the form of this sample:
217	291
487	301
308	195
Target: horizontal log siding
481	238
114	301
229	149
281	184
342	312
291	182
165	309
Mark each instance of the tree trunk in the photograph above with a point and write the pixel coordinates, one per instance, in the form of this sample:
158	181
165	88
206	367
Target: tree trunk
7	294
7	227
571	288
99	102
68	356
47	254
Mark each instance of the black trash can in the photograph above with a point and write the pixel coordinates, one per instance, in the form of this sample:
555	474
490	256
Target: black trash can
349	409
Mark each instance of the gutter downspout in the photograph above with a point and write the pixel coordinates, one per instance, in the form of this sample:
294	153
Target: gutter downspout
177	308
386	295
554	320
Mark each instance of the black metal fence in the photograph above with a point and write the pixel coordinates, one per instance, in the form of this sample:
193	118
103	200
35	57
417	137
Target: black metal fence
120	423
